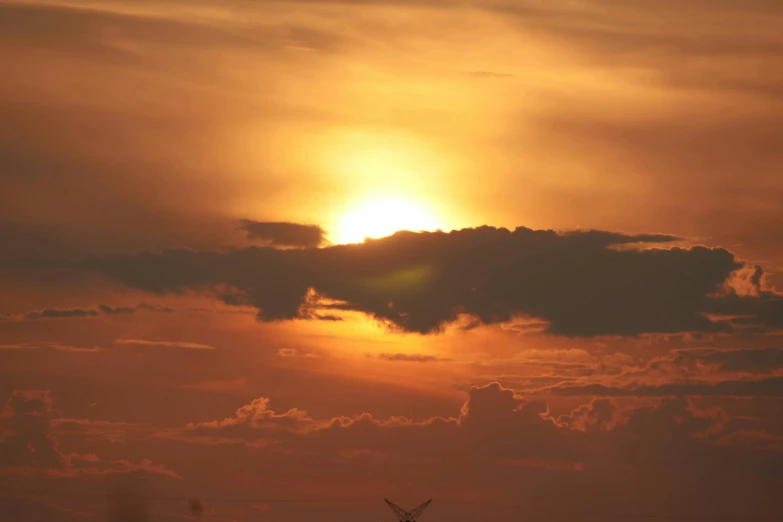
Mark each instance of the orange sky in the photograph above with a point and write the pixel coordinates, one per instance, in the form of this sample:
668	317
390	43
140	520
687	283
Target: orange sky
187	302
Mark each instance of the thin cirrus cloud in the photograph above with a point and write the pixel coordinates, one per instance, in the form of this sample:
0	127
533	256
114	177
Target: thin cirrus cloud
49	313
748	360
293	352
578	282
56	346
165	344
766	387
63	313
14	347
409	357
75	349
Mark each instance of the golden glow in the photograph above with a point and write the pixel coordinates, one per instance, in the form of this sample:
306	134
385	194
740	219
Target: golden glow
382	217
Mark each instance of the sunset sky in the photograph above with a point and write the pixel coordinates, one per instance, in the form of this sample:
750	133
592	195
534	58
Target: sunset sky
568	305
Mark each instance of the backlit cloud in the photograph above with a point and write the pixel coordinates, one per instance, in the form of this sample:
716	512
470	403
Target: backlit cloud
283	234
577	282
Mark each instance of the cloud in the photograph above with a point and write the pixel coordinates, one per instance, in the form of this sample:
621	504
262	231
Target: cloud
769	387
118	432
494	427
601	415
409	357
16	347
80	32
60	313
108	310
762	360
26	438
577	282
256	421
167	344
293	352
49	313
120	310
502	439
78	349
29	447
52	346
283	234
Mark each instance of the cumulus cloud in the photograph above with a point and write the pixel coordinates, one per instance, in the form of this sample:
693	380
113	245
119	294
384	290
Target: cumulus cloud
257	420
500	436
281	234
577	282
29	446
494	426
601	414
26	439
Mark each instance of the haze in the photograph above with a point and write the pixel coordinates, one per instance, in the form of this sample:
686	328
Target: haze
279	260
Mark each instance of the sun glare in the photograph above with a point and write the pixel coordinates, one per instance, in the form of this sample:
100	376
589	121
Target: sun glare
383	217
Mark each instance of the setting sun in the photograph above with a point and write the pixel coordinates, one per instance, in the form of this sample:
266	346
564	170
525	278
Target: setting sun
382	217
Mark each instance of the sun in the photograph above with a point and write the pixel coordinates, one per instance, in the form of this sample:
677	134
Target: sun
382	217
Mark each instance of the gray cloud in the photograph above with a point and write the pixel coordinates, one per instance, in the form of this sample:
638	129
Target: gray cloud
61	313
770	387
576	282
50	313
119	310
748	360
26	438
283	234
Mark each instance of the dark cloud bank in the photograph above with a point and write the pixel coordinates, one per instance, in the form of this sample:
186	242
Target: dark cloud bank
62	313
283	234
581	283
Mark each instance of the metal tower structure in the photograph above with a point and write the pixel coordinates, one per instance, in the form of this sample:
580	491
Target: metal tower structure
408	516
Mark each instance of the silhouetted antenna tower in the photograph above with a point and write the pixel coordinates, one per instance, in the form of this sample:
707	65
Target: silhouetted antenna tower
408	516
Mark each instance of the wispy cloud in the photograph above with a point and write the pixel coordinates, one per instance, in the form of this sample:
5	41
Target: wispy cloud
80	349
293	352
16	347
36	345
52	313
409	357
166	344
61	313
